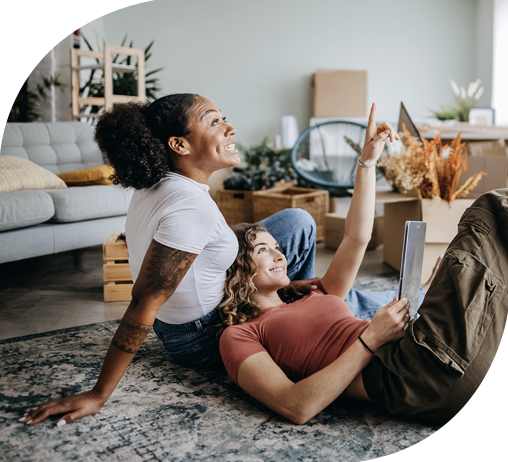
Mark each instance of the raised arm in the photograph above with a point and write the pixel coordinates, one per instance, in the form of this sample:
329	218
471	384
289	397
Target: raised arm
263	379
341	274
162	270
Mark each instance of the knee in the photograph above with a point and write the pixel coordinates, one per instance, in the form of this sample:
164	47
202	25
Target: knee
299	219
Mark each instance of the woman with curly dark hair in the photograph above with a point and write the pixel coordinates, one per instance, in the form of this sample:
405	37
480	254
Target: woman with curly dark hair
179	243
297	352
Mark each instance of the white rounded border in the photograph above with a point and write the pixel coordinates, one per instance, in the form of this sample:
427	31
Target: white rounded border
29	29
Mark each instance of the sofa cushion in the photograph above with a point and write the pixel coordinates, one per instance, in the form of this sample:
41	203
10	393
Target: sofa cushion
24	208
57	146
88	176
17	174
76	203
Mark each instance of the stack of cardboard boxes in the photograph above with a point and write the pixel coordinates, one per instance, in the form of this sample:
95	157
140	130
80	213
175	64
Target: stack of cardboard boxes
341	93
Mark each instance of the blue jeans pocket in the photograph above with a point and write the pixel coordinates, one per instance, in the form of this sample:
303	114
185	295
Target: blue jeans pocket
198	349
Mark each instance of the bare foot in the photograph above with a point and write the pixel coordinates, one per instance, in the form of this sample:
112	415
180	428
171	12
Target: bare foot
426	286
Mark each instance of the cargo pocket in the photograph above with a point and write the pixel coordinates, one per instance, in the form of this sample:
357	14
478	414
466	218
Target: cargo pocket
456	316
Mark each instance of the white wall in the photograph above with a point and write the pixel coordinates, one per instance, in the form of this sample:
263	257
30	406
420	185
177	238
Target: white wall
484	48
255	59
500	68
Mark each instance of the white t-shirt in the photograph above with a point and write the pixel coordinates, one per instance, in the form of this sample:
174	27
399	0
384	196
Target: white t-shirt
179	213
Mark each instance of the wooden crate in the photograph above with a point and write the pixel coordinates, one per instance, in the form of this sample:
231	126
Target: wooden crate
117	274
314	201
236	206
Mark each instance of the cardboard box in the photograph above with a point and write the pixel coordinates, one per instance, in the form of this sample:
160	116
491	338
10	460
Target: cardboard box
489	157
441	217
335	224
339	93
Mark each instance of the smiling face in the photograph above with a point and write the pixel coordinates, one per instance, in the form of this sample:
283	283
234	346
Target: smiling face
210	146
271	264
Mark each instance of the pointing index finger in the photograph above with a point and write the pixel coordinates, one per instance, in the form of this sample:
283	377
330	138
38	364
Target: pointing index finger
371	127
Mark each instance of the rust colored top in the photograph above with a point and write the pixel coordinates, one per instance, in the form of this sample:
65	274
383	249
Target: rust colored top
301	337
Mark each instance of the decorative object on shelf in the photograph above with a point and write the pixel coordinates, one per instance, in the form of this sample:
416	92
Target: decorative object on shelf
429	169
482	116
314	201
289	131
118	79
27	104
465	100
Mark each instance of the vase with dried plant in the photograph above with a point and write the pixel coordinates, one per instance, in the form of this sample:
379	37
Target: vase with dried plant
429	168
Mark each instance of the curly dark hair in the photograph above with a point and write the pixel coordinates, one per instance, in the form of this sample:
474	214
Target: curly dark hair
134	138
237	305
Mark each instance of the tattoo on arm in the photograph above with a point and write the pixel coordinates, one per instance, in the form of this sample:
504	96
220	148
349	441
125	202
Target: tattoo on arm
166	268
130	335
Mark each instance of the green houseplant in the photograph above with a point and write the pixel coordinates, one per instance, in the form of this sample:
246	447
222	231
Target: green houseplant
465	100
26	107
263	168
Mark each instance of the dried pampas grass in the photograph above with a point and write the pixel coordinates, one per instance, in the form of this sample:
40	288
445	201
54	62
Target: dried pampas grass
431	169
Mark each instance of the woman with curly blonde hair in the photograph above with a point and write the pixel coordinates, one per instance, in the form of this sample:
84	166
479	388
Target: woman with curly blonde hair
298	352
239	305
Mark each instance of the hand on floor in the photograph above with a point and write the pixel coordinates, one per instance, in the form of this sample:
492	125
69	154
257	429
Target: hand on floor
75	407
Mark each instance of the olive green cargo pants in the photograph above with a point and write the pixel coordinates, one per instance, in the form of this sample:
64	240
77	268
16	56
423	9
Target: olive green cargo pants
444	355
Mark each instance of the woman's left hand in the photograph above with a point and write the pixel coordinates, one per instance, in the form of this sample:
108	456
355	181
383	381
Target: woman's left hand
375	138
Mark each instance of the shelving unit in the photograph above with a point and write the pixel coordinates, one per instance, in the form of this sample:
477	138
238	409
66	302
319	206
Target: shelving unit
108	67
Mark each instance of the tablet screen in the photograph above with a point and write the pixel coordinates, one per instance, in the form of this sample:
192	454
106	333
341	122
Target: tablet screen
412	263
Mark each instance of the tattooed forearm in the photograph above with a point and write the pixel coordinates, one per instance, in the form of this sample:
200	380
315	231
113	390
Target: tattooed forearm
166	268
130	335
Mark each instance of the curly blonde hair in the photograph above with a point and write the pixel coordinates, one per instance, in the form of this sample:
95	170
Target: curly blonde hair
238	306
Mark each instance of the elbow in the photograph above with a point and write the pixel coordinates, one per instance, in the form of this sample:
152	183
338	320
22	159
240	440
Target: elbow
301	415
359	239
300	420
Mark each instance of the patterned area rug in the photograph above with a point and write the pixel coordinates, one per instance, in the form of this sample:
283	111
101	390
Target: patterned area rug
164	412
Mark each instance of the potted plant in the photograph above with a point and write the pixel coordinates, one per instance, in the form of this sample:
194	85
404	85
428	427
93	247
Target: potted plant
465	100
26	106
262	169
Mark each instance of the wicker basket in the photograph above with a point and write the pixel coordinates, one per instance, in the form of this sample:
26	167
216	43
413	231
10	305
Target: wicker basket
236	206
315	201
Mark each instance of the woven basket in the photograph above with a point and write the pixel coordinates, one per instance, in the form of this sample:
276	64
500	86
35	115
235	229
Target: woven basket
236	206
314	201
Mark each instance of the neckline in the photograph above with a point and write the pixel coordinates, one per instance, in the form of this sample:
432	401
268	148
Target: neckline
202	186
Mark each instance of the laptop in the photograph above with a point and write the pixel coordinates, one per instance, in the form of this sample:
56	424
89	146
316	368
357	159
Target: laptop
411	264
406	120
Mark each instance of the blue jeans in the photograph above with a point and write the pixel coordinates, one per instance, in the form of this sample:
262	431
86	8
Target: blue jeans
365	304
196	343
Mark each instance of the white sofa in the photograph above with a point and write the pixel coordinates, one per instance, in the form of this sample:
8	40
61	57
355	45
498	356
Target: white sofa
41	222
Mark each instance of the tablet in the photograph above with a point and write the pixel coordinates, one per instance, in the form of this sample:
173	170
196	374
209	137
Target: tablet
411	265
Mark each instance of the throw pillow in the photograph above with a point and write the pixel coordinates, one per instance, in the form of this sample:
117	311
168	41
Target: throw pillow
17	174
88	176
